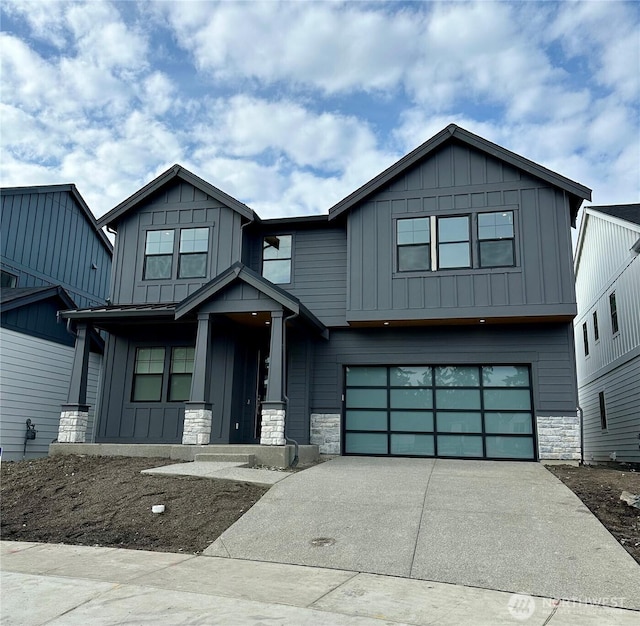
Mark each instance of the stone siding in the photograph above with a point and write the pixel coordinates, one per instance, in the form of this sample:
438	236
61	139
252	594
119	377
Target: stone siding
197	427
325	432
272	431
559	438
73	426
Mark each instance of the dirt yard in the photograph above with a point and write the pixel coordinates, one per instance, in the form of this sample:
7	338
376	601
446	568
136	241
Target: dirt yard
600	488
106	501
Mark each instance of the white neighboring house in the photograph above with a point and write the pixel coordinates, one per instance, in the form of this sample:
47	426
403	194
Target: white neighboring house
607	332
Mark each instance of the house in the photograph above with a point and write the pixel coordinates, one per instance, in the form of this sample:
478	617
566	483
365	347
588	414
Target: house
607	331
53	257
428	314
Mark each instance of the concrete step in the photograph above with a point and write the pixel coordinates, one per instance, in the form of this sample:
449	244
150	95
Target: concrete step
249	460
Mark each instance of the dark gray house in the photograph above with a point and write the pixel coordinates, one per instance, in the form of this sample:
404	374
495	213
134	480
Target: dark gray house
428	314
53	257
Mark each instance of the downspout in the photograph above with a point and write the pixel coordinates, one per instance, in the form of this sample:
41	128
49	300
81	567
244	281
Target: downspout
581	415
294	462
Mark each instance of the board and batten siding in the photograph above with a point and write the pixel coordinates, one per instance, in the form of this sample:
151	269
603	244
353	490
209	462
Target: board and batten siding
47	240
547	348
458	180
608	264
34	384
178	206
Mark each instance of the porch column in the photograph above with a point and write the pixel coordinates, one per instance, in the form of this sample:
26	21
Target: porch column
198	411
273	409
74	415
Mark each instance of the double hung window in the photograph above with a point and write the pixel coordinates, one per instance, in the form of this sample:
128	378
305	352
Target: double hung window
276	258
478	240
150	380
613	308
160	250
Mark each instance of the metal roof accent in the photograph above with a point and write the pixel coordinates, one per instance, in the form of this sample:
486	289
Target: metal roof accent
626	212
17	297
112	218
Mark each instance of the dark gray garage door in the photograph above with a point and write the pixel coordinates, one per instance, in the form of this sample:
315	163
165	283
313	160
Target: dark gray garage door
478	411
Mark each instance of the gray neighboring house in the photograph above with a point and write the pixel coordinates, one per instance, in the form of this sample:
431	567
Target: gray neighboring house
53	257
607	331
428	314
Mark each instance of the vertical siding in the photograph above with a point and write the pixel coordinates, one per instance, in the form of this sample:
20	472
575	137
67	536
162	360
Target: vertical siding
47	240
458	180
178	206
35	383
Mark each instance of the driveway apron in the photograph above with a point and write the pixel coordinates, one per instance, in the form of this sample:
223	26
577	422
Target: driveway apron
498	525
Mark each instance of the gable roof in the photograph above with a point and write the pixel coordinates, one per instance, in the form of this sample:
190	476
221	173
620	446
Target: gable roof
453	132
240	272
626	215
177	171
627	212
17	297
73	190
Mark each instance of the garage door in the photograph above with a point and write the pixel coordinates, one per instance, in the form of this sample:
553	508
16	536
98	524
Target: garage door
479	411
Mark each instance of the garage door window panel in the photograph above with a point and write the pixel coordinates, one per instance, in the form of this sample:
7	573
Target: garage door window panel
412	421
366	398
366	443
508	423
412	445
411	398
366	420
460	446
459	422
507	399
509	447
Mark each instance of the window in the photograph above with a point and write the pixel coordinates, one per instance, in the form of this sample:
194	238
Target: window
413	243
454	250
194	245
158	254
276	259
180	374
495	239
603	411
8	280
149	374
614	313
596	331
585	338
430	243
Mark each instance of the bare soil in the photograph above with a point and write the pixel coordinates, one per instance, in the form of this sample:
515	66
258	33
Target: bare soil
599	487
106	501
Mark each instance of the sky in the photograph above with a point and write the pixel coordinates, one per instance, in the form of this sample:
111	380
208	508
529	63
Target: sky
290	106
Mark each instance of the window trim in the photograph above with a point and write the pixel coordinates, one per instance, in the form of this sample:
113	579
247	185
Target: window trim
399	245
613	313
512	238
290	258
175	254
165	387
474	253
181	254
468	241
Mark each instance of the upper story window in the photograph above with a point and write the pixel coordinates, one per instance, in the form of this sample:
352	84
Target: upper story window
454	248
585	338
614	313
414	244
7	279
496	246
194	245
449	243
160	251
150	383
596	330
158	254
276	258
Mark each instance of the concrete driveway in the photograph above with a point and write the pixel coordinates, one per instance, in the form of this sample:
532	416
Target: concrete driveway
496	525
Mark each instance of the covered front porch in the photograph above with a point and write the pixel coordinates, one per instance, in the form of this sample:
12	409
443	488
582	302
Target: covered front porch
211	369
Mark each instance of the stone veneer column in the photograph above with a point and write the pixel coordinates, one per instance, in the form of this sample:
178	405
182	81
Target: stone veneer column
559	437
73	423
325	432
197	424
272	431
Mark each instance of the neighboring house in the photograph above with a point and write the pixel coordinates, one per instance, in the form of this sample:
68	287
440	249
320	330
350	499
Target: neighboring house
53	257
428	314
607	331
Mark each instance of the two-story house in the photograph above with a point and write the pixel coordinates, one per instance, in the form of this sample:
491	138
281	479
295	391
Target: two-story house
428	314
53	257
607	331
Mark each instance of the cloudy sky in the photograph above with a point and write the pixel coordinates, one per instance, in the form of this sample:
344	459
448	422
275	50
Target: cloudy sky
291	106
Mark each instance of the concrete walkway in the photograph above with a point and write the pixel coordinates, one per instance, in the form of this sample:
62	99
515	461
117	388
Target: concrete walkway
504	526
77	585
222	470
